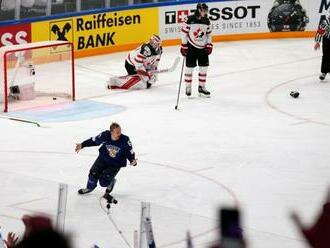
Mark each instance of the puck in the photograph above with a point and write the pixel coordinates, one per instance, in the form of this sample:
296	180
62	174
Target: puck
294	94
54	98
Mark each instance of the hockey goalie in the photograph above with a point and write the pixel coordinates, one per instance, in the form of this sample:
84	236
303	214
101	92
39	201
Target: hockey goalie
141	65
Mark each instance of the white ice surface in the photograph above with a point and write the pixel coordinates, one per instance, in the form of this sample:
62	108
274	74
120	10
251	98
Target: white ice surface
250	141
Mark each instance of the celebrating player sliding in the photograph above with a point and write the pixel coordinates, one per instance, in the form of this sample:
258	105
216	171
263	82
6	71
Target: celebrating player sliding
140	65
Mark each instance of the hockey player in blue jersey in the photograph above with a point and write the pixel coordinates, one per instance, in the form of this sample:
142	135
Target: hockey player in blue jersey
116	148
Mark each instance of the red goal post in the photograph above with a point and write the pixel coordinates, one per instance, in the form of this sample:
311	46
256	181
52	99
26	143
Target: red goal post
36	74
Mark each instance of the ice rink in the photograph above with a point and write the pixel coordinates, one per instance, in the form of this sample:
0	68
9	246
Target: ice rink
249	144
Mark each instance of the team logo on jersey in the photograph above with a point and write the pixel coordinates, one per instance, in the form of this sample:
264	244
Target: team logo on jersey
113	150
199	33
61	30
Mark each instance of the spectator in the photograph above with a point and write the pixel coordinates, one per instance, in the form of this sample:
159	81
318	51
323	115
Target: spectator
318	235
36	223
44	238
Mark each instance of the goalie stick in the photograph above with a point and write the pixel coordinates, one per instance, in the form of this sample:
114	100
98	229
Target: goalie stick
170	69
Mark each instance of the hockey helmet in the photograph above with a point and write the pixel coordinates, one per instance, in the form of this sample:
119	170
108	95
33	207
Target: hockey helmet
202	6
155	41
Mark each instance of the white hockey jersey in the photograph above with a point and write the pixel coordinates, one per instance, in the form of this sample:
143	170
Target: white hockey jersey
145	58
196	31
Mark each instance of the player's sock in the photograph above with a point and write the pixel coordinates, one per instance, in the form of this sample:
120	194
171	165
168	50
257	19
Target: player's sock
188	79
111	186
202	81
91	184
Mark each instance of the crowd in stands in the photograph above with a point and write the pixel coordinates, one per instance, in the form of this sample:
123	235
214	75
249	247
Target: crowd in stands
40	232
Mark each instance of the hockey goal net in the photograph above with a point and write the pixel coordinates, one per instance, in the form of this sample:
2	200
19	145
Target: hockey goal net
36	75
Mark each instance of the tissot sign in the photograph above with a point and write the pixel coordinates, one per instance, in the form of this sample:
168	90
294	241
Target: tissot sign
215	14
226	17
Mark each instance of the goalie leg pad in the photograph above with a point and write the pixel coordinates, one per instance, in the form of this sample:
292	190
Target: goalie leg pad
125	83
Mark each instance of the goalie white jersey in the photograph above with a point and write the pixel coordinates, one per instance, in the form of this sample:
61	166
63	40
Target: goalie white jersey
145	57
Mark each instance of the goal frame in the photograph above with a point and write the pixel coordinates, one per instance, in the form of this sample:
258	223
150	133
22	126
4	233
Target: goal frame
38	45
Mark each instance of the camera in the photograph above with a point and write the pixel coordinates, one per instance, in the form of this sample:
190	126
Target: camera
230	228
110	200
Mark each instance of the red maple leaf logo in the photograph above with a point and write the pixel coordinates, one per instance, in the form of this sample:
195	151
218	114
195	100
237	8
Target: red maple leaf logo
197	32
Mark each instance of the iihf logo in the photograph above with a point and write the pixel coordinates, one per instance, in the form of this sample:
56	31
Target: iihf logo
61	30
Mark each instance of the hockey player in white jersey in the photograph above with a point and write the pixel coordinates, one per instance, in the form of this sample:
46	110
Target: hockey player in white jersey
140	65
196	47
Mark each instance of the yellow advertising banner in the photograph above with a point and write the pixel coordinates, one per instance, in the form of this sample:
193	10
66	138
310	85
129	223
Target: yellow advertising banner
101	32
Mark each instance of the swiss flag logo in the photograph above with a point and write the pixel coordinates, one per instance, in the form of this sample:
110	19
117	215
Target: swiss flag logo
182	15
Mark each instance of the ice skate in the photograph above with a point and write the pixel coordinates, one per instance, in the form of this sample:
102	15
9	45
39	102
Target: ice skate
84	191
203	91
322	76
188	90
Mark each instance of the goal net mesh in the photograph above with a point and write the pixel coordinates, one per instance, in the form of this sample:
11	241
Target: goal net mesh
36	75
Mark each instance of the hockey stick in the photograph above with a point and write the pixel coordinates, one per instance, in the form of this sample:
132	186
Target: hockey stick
170	69
178	98
20	120
120	232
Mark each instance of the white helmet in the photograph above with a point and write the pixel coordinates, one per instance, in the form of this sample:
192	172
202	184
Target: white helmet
155	41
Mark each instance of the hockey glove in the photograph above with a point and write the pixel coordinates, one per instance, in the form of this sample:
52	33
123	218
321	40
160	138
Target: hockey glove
317	46
144	75
209	48
184	49
153	78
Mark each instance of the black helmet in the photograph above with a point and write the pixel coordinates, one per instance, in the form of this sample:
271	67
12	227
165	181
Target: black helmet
202	6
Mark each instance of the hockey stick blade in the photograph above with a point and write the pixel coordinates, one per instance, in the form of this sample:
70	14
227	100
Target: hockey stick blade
170	69
20	120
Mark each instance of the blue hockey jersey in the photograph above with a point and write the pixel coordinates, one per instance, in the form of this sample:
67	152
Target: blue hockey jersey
114	152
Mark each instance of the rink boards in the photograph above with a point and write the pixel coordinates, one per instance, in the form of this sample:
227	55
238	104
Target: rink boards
123	28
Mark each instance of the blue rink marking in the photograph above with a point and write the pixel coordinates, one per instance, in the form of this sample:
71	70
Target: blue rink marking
68	111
